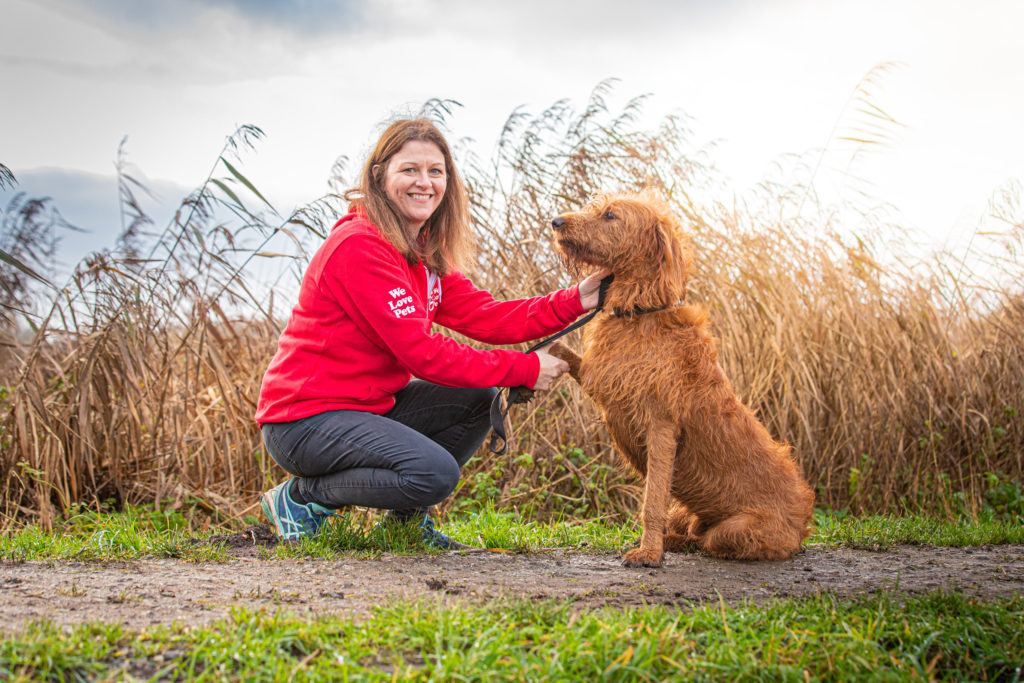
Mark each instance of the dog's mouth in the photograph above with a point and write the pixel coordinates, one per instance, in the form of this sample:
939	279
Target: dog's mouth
575	256
567	247
571	251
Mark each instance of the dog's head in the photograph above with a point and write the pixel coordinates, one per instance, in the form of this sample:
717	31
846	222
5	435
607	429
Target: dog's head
636	236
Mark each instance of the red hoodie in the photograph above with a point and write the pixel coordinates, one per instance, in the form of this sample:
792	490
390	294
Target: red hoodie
361	330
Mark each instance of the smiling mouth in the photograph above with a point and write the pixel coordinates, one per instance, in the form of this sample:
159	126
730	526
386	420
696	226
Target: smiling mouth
421	197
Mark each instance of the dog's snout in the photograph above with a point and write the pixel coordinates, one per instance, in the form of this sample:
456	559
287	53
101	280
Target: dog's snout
558	223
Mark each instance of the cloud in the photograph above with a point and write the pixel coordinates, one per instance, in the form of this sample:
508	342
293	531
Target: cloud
90	202
188	42
527	20
761	79
315	17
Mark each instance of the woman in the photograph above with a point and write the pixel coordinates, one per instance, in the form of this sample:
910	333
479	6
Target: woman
337	408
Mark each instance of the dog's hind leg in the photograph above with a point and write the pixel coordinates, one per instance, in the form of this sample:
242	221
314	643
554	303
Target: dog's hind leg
749	535
661	450
679	535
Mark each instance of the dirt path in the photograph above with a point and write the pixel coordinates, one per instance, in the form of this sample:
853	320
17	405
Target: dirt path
147	592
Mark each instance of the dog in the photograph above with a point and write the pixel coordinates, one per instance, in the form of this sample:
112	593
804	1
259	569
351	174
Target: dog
713	476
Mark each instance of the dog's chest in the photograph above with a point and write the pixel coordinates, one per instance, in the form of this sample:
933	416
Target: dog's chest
606	377
618	378
647	356
620	387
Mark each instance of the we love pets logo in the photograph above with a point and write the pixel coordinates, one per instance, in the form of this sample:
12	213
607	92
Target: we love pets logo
401	302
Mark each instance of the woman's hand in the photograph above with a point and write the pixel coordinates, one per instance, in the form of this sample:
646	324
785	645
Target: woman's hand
589	287
551	368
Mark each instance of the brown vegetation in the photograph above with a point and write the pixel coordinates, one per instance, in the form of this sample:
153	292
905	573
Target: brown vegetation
896	385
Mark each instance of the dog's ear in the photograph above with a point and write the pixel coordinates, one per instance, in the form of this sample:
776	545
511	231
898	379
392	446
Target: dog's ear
663	224
673	257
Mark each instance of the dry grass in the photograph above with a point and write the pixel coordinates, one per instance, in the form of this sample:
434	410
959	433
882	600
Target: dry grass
898	385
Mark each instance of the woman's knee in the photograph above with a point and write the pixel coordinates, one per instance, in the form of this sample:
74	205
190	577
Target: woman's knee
434	485
481	398
489	393
485	394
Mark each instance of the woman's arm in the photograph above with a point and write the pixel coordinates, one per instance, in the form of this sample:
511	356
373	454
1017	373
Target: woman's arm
371	282
478	315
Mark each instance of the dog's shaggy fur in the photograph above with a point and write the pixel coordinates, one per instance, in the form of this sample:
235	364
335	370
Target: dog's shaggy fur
670	409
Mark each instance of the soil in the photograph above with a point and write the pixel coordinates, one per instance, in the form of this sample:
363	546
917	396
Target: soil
142	593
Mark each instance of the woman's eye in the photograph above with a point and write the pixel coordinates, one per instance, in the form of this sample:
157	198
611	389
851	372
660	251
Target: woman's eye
610	216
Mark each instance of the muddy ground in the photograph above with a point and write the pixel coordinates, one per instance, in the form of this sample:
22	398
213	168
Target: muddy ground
161	591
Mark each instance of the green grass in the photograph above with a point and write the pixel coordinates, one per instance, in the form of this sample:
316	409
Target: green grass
877	637
142	532
485	528
885	531
87	535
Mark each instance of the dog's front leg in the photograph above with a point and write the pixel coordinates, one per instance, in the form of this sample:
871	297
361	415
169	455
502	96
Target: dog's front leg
560	350
661	452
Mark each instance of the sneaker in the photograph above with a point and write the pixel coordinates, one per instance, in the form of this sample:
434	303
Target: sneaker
292	521
434	538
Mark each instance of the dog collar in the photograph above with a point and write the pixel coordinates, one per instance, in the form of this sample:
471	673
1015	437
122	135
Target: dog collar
633	312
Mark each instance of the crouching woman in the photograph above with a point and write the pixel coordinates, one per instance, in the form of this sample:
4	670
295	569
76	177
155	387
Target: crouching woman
339	408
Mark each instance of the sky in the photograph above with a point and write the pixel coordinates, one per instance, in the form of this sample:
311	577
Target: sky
757	79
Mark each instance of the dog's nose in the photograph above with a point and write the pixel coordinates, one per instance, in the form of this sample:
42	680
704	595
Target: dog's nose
558	223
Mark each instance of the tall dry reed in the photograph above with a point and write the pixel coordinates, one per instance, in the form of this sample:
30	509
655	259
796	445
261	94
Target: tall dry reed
141	380
898	385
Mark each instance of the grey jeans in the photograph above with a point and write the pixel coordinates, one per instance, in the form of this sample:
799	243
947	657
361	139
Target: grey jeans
405	460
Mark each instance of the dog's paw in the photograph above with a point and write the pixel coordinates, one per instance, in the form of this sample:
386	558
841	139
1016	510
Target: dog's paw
560	350
563	352
525	395
638	557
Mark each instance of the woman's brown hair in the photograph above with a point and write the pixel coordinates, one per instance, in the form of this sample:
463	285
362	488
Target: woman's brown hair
446	240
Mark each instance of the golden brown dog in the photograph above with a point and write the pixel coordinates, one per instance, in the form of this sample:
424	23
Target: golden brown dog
651	366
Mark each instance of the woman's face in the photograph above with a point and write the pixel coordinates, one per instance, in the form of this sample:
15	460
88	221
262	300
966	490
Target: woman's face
415	179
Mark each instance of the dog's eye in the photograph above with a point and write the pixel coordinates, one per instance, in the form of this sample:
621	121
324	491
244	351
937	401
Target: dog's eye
610	216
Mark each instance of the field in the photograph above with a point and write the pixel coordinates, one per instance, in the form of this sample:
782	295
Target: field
127	443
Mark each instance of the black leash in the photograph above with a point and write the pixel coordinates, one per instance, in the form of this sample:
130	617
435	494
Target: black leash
498	414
